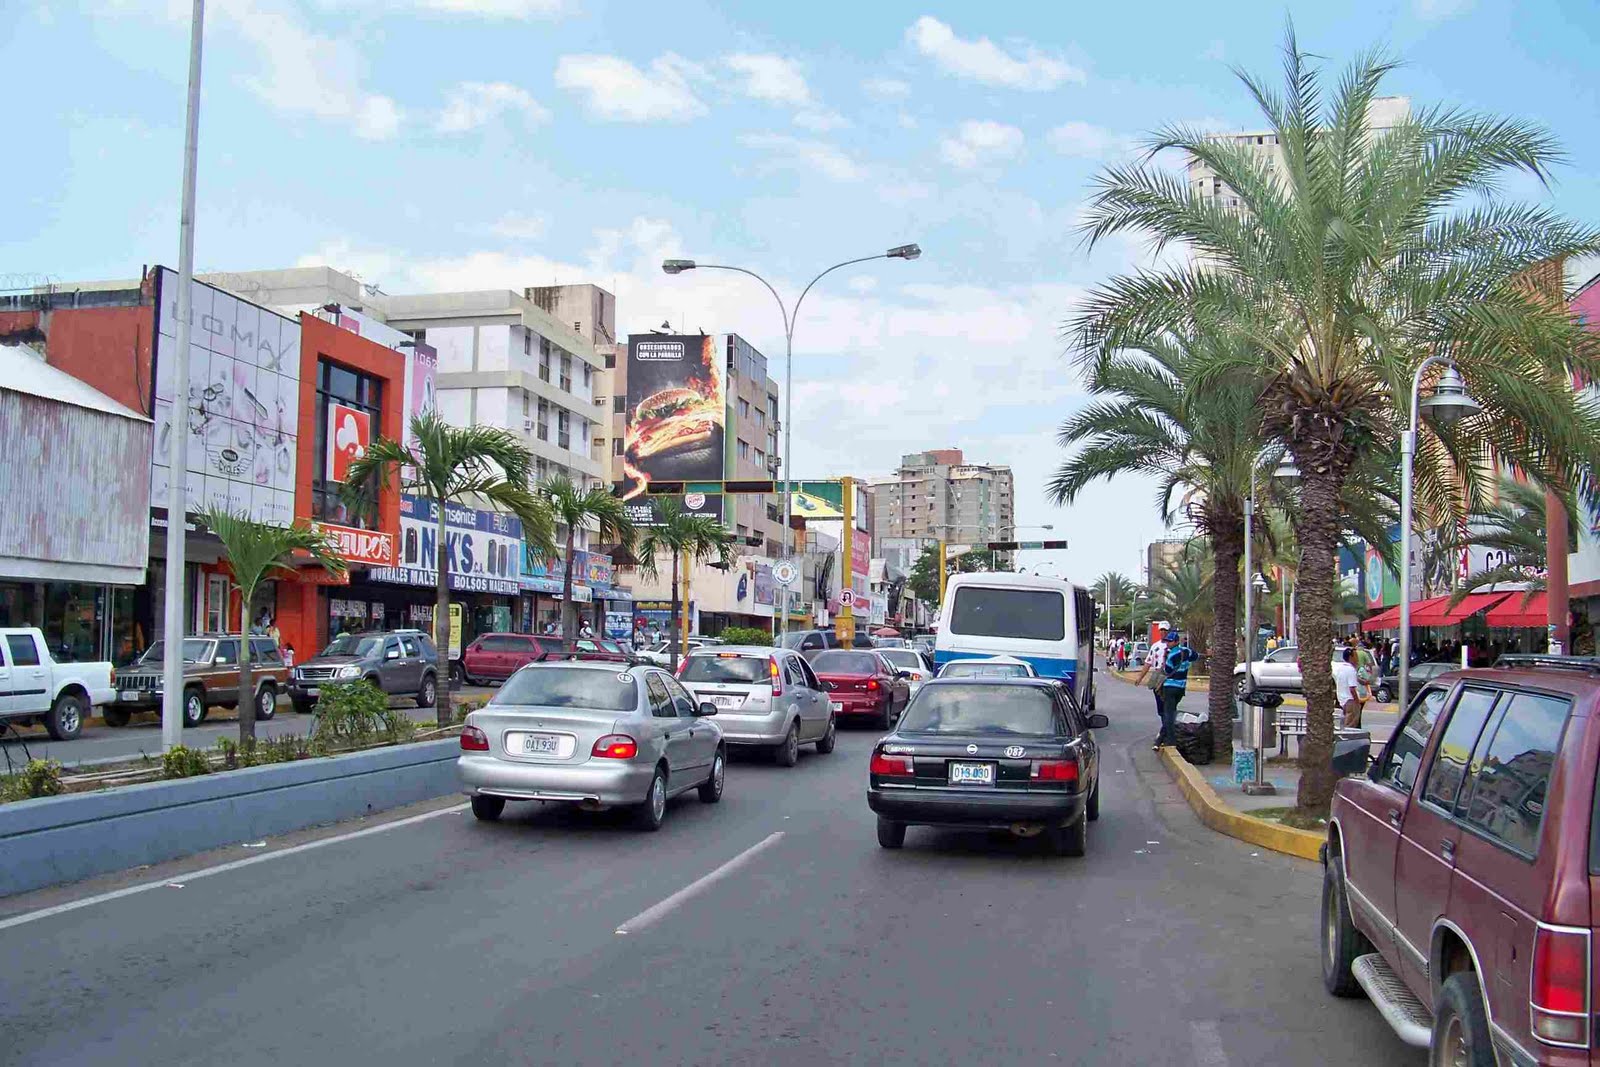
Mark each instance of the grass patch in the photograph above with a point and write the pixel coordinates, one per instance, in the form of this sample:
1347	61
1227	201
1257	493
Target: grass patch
1289	816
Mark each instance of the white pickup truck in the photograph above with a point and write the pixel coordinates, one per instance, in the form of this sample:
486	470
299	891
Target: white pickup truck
35	688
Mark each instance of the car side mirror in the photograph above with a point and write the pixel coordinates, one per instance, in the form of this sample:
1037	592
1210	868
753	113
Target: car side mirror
902	674
705	708
1098	722
393	653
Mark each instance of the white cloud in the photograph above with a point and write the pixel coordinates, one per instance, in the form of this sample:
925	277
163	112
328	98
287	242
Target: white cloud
795	153
514	226
771	78
980	141
302	72
474	104
1089	142
618	91
820	121
886	88
984	61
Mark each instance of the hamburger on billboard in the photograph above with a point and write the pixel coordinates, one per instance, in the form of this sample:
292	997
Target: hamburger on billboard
676	411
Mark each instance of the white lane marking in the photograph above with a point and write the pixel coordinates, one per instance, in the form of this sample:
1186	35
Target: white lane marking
221	868
705	881
1207	1045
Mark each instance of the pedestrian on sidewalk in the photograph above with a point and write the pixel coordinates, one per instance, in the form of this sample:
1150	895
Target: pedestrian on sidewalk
1154	672
1345	685
1175	682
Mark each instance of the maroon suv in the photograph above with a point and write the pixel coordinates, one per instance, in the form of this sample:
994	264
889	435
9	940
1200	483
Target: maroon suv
1462	870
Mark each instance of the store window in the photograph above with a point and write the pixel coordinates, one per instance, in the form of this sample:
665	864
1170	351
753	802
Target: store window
336	384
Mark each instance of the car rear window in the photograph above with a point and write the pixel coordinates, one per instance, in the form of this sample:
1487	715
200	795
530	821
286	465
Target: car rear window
904	659
569	687
1026	614
985	670
726	667
838	662
980	709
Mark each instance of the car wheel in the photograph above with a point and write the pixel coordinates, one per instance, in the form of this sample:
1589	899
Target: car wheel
1383	695
788	753
65	720
266	703
428	695
458	677
1341	941
488	809
886	723
1460	1025
1242	686
711	788
115	716
1092	808
830	738
194	707
1072	839
648	816
891	834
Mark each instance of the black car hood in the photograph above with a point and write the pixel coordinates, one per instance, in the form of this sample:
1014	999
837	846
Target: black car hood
330	661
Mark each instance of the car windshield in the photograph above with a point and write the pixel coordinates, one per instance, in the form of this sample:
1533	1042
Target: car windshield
353	645
980	709
979	669
193	651
727	667
1024	614
844	662
904	658
569	687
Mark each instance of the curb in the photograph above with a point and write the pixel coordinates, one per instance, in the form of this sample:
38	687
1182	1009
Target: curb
1215	813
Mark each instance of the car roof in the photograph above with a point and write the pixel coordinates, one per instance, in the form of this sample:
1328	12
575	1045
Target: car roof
1574	680
1031	683
748	650
1011	579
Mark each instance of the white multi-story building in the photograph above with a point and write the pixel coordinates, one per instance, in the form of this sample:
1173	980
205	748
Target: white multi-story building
939	495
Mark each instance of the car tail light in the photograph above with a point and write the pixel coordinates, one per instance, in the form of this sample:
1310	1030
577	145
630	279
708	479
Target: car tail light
474	739
892	766
872	685
615	746
777	679
1055	770
1558	1001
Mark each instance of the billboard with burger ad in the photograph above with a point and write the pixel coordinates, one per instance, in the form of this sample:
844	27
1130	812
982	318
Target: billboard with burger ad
677	412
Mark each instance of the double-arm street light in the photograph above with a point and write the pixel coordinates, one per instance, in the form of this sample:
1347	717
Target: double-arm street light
1287	472
1448	405
678	266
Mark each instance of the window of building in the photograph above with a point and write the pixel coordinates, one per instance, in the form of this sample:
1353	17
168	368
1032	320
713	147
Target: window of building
544	359
761	419
563	428
744	408
566	372
336	384
616	446
761	459
527	342
544	419
588	377
619	405
744	449
772	407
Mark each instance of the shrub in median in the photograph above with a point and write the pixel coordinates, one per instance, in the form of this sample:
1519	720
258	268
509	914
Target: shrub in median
40	778
181	761
746	635
351	713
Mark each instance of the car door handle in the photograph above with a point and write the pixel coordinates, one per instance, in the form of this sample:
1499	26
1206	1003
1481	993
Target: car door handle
1447	849
1394	818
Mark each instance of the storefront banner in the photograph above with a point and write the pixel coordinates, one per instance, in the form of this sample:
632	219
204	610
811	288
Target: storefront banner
483	549
421	391
766	588
595	568
644	511
676	410
619	625
860	553
372	547
349	437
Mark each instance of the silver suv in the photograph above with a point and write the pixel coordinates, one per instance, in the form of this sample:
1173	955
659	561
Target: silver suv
764	696
400	662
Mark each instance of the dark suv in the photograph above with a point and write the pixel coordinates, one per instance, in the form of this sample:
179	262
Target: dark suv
400	662
1462	869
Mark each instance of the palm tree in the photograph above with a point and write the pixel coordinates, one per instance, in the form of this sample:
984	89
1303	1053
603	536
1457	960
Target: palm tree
1364	251
468	465
573	507
697	538
257	551
1513	530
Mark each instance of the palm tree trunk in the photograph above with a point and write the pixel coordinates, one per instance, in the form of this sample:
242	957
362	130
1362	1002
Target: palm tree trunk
441	622
247	697
1318	533
1227	545
672	636
569	610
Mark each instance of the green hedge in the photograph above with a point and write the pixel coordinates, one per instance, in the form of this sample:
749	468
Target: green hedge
746	635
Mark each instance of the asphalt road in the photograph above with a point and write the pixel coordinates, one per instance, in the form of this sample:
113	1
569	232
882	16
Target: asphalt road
100	743
445	940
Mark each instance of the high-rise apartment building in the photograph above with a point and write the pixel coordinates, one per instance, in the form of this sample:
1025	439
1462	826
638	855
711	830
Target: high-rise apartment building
938	494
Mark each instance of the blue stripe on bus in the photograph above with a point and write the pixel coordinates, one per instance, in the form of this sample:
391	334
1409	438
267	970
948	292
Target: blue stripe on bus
1044	666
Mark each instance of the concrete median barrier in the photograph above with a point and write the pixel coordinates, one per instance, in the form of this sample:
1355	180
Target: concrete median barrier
66	838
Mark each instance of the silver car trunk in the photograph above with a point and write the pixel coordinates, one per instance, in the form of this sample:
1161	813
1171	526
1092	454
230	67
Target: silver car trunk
536	734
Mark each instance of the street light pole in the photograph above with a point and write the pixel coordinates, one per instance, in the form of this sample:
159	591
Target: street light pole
178	435
678	266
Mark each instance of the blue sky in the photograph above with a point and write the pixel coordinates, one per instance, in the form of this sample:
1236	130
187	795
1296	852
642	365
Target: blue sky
429	144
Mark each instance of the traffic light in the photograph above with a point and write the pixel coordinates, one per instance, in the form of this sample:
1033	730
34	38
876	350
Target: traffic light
1023	546
749	487
665	489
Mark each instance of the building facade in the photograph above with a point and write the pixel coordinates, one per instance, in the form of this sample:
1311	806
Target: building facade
937	495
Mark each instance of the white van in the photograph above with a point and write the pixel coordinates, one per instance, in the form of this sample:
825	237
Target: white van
1046	622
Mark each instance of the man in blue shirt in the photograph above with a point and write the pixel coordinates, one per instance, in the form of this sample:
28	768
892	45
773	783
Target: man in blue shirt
1180	657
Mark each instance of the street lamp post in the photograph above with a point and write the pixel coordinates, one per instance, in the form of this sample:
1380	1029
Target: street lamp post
1448	405
678	266
1286	471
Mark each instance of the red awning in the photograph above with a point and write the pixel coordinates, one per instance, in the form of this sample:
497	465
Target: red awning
1438	612
1387	619
1512	611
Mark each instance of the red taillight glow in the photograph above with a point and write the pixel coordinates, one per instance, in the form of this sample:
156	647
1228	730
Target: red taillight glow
1559	1000
474	739
615	746
1055	770
893	766
777	679
872	685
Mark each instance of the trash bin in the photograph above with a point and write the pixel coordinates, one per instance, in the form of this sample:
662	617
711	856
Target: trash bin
1263	705
1194	740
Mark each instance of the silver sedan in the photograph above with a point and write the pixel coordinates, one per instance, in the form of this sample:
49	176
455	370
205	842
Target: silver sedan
591	735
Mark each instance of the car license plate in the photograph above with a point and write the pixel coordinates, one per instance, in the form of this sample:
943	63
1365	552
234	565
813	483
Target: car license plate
312	690
128	694
723	701
835	705
972	774
540	744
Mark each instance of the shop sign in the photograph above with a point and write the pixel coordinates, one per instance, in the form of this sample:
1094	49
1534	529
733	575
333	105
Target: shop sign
766	587
619	625
349	437
483	549
374	548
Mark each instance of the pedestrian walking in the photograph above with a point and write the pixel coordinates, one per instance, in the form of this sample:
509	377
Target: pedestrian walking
1175	682
1345	684
1153	673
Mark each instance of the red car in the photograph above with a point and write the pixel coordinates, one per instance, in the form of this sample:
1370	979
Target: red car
1461	884
496	657
863	683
